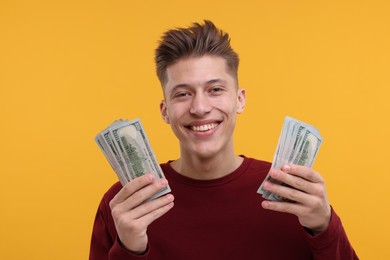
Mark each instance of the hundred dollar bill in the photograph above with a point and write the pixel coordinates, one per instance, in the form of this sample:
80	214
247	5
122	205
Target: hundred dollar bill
298	144
111	159
126	146
107	145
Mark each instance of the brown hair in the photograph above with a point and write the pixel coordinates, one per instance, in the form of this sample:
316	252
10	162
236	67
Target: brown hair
197	40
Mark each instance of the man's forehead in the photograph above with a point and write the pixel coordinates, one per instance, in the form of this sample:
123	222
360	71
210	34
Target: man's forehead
201	70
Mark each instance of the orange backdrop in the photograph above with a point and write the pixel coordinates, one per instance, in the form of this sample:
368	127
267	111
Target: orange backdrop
69	68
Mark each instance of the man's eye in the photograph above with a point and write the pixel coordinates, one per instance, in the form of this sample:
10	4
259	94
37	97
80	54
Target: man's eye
181	94
216	89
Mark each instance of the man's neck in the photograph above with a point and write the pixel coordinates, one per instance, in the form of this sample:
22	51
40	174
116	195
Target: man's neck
207	168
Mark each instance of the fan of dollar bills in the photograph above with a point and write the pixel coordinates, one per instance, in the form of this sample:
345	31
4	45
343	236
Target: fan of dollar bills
298	144
125	145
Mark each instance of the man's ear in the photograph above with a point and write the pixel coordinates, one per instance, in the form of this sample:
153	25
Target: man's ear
241	100
163	110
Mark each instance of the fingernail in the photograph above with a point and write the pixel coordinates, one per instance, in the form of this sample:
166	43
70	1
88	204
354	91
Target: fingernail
274	173
265	204
286	168
170	197
163	182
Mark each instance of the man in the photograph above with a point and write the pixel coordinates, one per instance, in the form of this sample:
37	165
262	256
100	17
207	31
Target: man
214	211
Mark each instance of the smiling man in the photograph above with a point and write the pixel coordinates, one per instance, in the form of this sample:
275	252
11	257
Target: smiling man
201	103
214	211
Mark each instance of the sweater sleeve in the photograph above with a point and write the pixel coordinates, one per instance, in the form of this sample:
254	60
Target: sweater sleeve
105	244
332	243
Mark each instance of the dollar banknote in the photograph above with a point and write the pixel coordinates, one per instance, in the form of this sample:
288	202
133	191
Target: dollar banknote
126	147
298	144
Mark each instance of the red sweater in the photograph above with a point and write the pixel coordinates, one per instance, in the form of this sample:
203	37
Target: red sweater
221	219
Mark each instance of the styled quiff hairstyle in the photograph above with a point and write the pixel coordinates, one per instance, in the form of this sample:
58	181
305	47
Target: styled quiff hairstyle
195	41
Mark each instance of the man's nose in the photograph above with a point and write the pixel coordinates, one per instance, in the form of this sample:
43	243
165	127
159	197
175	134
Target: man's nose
200	105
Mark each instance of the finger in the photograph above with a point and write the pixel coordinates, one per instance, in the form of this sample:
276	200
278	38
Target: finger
294	181
144	221
152	216
141	195
131	187
287	192
287	207
303	172
155	208
127	225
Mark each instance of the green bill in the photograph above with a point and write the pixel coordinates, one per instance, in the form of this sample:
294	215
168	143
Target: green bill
298	144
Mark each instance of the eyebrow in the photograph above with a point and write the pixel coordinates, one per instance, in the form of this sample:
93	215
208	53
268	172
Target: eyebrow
209	82
185	85
212	81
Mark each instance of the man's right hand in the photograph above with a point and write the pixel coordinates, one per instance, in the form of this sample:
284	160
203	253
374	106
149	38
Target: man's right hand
132	217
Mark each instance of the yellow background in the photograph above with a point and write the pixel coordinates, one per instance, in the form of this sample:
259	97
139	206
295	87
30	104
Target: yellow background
69	68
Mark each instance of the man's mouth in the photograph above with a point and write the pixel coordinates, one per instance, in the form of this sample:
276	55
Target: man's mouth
203	128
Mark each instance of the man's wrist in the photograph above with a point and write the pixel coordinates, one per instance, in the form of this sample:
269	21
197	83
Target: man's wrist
135	252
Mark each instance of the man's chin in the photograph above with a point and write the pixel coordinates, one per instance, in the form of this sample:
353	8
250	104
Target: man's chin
206	152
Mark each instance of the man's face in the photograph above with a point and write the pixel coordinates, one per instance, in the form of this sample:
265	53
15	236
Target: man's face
201	103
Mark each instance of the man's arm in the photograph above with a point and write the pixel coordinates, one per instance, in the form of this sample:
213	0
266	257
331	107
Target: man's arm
332	243
307	199
131	217
307	193
105	244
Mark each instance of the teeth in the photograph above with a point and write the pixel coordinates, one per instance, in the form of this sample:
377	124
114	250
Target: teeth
203	128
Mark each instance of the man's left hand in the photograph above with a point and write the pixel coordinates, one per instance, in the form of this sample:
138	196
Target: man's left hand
307	195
